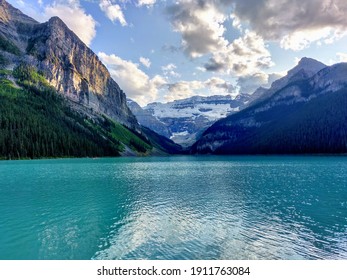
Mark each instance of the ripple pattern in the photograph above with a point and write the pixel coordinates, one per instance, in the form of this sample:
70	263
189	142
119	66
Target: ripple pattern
174	208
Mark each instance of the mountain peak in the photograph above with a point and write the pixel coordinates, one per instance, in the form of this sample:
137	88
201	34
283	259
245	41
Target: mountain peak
309	65
310	62
8	13
56	20
57	23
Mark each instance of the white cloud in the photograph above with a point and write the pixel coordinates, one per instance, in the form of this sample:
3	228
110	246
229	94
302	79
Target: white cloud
200	24
146	2
145	62
185	89
169	70
342	57
249	83
75	18
236	22
244	56
136	84
295	23
169	67
219	86
300	40
113	11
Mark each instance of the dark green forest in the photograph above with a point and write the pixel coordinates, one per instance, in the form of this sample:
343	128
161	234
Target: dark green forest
36	122
318	126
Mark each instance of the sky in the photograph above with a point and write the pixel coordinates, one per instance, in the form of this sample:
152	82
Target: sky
164	50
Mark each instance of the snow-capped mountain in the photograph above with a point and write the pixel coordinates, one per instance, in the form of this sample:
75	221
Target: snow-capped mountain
185	120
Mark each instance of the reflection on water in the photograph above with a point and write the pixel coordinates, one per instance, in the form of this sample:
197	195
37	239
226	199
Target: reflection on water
175	208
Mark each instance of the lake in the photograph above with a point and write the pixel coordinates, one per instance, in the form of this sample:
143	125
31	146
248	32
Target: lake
208	207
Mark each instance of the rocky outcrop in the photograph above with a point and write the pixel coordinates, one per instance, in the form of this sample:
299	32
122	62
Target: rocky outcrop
67	63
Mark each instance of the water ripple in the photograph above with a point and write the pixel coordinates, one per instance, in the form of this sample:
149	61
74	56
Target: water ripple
175	208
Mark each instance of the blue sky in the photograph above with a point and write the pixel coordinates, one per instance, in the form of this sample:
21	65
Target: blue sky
162	50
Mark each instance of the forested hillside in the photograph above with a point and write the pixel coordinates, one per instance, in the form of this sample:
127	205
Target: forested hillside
36	122
319	126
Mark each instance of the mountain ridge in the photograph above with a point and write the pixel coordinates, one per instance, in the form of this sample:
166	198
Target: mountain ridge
306	68
272	125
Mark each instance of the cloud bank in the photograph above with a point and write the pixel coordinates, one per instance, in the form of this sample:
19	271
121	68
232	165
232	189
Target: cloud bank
136	84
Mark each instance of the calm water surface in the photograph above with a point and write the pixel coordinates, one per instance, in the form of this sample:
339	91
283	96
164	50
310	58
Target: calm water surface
174	208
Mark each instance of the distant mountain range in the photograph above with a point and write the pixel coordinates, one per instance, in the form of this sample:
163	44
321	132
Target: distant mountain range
185	120
304	112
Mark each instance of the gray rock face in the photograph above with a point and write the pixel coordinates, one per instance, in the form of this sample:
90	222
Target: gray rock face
68	64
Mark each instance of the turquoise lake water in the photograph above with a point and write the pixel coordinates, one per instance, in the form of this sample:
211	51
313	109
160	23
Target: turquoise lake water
174	208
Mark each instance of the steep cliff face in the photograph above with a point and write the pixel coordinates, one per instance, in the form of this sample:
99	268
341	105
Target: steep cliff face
67	63
75	71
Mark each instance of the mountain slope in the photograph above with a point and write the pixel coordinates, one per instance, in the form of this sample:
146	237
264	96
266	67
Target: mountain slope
36	122
64	60
308	115
161	144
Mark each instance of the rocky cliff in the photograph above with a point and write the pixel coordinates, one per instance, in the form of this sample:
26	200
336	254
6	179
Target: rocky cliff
66	62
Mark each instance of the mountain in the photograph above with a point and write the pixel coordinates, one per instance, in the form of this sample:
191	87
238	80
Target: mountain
37	122
64	60
183	121
58	99
306	68
162	145
146	119
305	113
